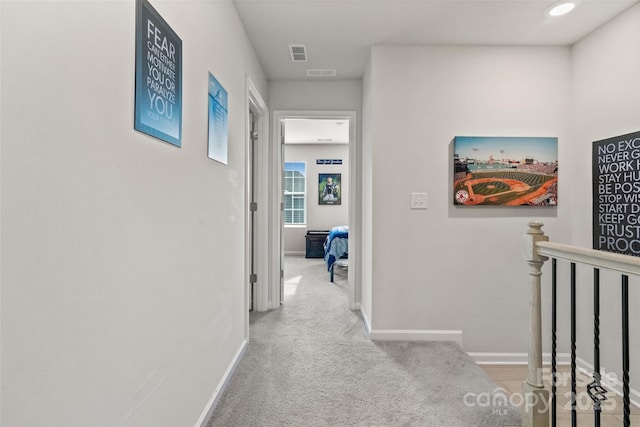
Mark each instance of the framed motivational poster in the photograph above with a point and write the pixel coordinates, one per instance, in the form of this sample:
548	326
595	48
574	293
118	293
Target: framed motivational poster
218	121
616	194
158	93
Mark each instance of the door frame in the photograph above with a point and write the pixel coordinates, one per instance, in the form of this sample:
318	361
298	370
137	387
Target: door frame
355	201
259	167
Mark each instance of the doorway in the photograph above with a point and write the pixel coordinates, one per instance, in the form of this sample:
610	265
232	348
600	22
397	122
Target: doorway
319	162
256	201
253	205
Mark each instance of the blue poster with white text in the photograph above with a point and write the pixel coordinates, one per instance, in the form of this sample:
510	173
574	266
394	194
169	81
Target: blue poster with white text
218	121
158	97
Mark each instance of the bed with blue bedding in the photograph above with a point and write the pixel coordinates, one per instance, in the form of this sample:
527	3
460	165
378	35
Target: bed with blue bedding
336	246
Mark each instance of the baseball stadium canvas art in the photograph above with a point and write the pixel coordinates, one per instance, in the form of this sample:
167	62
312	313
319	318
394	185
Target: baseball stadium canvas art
505	171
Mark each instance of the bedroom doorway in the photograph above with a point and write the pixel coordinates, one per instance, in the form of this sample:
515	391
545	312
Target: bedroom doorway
253	204
315	149
257	200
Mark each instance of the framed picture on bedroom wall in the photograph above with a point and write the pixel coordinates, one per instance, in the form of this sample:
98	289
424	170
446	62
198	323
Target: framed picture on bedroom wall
329	189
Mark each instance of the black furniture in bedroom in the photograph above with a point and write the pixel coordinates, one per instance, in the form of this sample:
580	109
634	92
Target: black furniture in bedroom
315	241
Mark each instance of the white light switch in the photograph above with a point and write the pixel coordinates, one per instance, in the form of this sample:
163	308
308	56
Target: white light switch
418	200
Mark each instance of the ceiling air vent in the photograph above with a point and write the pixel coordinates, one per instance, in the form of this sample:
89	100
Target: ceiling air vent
321	72
298	52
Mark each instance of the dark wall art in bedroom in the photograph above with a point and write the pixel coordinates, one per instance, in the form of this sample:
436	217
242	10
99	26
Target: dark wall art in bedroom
329	189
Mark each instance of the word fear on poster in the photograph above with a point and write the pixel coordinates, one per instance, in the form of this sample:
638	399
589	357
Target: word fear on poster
158	109
616	194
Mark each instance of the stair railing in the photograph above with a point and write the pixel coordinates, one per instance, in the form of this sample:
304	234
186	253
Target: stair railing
537	250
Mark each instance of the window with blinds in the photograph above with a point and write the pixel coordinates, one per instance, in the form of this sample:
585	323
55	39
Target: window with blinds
295	192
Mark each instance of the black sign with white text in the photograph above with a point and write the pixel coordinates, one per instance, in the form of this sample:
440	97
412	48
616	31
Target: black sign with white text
616	194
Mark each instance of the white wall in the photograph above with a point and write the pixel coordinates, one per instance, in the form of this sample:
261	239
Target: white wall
122	256
319	217
605	70
344	95
366	175
455	268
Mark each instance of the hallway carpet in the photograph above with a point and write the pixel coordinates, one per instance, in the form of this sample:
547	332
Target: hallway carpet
311	363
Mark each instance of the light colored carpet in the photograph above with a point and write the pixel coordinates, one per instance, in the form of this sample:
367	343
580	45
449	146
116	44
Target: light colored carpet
311	363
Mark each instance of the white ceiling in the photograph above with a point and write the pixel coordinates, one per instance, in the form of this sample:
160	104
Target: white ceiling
339	33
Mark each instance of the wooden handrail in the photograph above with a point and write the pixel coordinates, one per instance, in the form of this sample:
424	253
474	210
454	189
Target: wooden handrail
625	264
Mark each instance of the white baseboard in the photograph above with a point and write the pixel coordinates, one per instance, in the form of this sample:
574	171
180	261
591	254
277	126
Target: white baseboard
416	335
365	318
356	306
515	358
294	253
409	335
499	358
222	385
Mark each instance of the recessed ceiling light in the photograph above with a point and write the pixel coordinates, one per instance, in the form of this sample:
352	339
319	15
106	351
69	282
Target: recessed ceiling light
561	8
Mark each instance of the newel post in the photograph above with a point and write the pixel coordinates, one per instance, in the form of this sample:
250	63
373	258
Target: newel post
536	405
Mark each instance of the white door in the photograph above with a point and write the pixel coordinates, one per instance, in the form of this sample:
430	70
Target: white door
253	206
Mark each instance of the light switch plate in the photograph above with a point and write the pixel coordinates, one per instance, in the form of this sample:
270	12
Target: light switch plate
418	200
